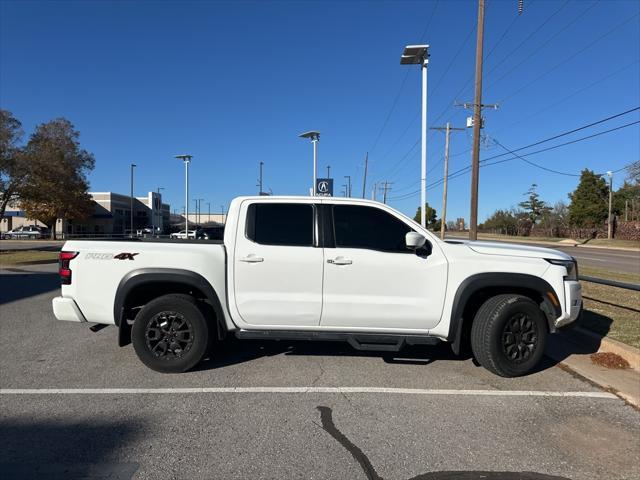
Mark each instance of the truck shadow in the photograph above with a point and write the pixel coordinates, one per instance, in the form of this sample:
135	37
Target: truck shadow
60	450
561	345
233	351
18	286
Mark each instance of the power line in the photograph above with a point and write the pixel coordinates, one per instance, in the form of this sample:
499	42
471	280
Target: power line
570	57
560	135
539	48
465	170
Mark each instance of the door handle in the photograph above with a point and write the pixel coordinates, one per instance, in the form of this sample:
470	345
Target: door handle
340	261
251	258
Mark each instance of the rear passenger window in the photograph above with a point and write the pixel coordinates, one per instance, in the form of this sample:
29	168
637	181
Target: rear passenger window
369	227
280	224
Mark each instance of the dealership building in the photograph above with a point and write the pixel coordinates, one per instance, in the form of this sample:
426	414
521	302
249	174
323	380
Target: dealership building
111	216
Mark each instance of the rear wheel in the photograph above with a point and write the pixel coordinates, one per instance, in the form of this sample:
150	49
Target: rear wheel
171	334
508	335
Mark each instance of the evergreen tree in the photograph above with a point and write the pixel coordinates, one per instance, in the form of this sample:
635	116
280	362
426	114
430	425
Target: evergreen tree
533	206
589	201
431	216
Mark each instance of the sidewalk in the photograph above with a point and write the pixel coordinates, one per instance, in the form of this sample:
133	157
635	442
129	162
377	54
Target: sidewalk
573	349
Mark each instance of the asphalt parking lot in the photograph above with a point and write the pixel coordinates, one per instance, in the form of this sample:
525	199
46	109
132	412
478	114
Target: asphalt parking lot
74	405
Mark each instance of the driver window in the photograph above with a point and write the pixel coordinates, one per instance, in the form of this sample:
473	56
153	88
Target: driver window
369	228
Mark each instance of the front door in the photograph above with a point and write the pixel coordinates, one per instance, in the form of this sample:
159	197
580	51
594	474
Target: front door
371	280
278	270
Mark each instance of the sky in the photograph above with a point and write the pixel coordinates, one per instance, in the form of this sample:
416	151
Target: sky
235	83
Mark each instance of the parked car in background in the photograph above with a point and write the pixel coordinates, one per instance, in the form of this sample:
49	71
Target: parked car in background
182	234
211	233
31	232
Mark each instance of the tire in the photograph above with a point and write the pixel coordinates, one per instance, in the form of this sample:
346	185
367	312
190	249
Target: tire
497	340
176	346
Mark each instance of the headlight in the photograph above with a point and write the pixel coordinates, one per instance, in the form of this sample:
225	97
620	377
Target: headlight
570	265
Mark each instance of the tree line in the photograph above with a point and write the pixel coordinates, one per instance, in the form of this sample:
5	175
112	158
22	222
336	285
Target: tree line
47	175
587	210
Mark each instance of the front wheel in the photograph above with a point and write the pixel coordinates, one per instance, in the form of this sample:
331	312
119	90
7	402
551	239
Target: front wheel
171	334
508	335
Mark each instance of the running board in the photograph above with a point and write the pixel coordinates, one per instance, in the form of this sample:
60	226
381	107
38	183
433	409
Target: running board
359	341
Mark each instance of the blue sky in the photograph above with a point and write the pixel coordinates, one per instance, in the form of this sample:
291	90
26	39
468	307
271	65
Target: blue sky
234	83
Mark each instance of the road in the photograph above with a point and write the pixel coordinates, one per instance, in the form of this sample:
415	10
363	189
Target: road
286	410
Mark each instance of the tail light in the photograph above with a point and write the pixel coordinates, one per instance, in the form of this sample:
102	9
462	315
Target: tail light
63	266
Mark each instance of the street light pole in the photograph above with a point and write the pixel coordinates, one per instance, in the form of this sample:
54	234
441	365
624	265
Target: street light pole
348	177
159	213
413	55
186	159
314	137
133	165
328	171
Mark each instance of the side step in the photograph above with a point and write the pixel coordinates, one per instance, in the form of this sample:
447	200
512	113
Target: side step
359	341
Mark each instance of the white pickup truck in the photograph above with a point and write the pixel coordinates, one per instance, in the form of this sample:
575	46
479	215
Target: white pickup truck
310	268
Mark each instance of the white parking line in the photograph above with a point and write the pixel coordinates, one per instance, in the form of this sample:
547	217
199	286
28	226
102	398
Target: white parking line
396	391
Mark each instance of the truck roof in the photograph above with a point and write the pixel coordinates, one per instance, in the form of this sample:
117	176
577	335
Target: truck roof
307	198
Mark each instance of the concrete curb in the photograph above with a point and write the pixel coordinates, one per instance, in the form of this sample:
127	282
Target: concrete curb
629	353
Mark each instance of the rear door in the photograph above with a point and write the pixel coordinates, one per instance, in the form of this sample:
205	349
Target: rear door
371	280
277	265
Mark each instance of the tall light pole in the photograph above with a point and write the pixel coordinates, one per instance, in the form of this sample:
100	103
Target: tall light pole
610	222
328	171
314	137
419	55
199	209
133	165
348	177
159	213
260	179
187	160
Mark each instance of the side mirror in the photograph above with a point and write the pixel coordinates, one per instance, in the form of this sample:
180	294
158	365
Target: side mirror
414	240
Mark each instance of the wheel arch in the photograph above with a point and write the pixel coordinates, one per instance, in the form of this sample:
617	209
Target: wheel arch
476	289
142	285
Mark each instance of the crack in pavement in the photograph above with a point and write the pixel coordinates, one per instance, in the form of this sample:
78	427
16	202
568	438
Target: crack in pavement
326	417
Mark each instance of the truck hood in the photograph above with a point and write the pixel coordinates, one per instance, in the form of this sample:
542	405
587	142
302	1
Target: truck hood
514	250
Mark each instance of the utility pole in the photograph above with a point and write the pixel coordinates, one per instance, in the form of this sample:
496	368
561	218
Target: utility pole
374	190
260	179
477	124
610	222
385	188
447	128
348	177
328	171
364	179
626	210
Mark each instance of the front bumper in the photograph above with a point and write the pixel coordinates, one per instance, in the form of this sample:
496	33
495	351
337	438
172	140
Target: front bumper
66	309
572	304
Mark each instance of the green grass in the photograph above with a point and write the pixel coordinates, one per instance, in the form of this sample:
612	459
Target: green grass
17	257
603	242
612	311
